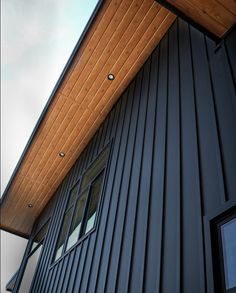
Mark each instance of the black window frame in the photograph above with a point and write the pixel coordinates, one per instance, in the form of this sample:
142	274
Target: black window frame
30	250
82	234
217	251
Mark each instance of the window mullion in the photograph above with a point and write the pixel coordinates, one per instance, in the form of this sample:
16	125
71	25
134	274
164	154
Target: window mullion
81	232
68	230
89	199
36	247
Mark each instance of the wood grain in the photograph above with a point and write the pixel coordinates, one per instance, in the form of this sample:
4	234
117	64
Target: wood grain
120	40
217	16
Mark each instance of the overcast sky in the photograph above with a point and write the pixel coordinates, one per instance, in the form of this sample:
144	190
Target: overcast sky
37	39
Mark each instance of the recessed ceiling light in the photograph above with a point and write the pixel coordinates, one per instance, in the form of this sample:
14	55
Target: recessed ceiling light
61	154
111	76
30	205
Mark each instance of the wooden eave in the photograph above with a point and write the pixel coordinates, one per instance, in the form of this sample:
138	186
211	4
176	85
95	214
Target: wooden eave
119	40
215	17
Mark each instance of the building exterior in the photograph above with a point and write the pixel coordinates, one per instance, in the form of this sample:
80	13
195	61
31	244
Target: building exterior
149	204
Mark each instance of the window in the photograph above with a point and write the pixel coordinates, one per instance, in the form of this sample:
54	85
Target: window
228	239
224	253
32	260
82	206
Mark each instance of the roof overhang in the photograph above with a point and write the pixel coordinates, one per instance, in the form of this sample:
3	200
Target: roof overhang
213	17
118	39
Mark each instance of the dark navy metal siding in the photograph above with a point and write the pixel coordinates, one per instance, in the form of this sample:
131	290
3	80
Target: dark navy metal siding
172	169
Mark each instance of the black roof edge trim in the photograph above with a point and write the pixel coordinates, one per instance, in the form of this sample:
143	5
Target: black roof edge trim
61	78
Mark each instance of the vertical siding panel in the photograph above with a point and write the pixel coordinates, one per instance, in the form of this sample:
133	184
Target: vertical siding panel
127	240
113	266
69	270
199	201
146	130
85	244
79	273
171	236
70	277
63	274
230	47
51	280
108	197
85	260
107	122
111	227
92	239
94	143
148	167
226	112
212	187
57	277
154	237
41	277
110	126
193	276
68	184
172	165
38	278
77	168
213	190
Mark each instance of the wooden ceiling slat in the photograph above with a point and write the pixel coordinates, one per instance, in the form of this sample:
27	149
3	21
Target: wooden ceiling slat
26	198
114	48
133	48
199	16
100	118
42	147
52	147
119	41
41	134
43	138
209	13
67	138
98	51
68	130
93	28
120	54
216	11
230	5
42	150
38	153
101	27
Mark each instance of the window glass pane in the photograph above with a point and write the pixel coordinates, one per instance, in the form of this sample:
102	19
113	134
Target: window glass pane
228	232
40	235
77	219
94	169
93	204
73	195
63	232
29	271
